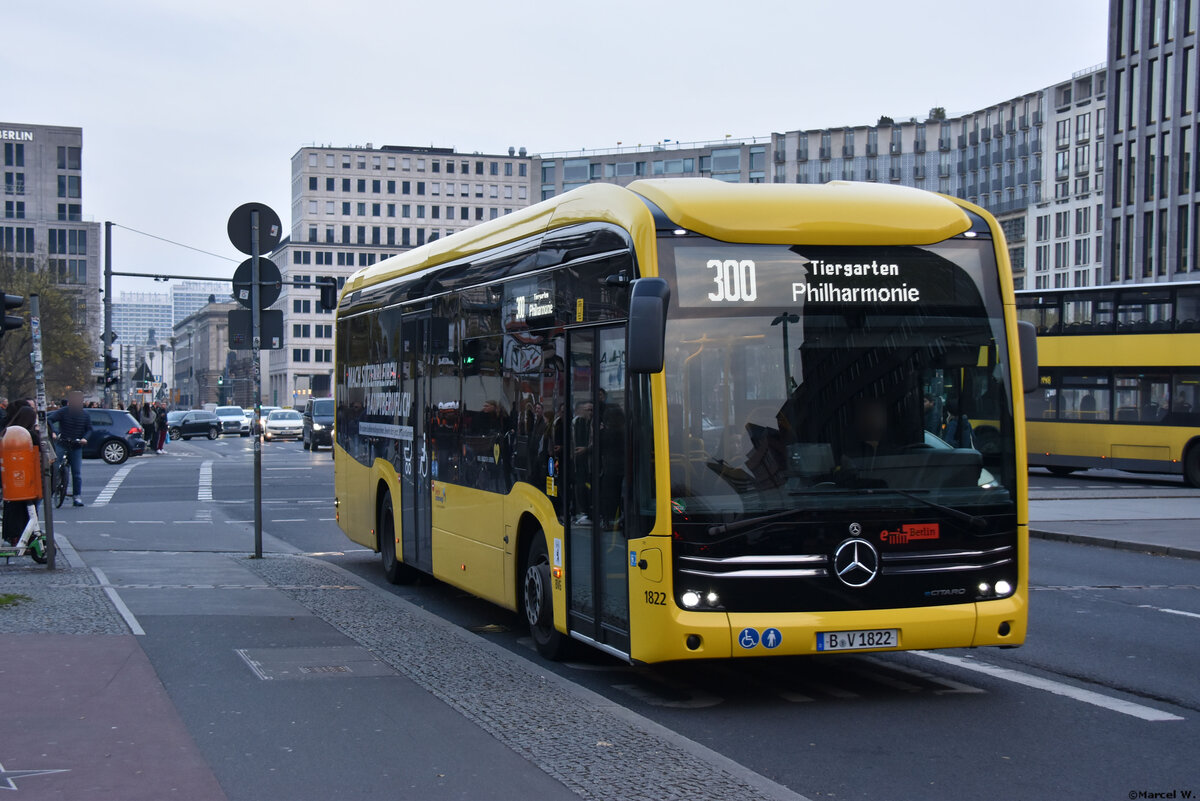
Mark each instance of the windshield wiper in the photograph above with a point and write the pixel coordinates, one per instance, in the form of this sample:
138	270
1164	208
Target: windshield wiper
749	522
975	521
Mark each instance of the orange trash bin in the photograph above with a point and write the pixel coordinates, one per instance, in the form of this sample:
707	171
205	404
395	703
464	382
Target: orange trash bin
22	466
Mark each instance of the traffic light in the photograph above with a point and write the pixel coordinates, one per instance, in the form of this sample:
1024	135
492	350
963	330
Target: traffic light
112	370
328	286
12	321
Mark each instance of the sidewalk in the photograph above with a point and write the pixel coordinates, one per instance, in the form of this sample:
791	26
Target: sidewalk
290	678
1167	526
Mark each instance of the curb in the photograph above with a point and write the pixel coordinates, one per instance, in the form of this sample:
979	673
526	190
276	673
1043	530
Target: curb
1120	545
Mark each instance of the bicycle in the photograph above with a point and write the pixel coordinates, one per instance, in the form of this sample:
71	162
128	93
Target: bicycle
61	476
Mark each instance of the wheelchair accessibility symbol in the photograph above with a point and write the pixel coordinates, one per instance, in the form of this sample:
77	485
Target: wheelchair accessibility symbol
748	638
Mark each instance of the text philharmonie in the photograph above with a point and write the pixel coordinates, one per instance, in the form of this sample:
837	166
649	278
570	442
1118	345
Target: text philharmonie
827	293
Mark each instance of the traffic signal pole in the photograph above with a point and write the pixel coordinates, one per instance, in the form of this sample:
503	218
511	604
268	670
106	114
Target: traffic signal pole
108	331
255	345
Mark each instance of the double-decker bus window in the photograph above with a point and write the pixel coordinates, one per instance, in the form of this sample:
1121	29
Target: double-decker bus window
1187	309
1144	311
1085	397
1142	398
1185	397
1042	403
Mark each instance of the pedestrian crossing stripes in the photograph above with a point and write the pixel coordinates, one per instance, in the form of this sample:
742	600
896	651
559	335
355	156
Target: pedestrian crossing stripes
114	483
204	491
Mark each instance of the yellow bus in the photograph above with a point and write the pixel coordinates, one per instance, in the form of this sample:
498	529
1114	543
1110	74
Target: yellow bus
686	419
1119	379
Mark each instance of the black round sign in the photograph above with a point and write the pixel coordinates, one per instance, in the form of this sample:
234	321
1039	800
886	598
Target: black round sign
270	230
268	279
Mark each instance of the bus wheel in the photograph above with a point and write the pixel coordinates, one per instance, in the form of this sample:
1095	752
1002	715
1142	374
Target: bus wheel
395	571
1061	471
539	602
1191	466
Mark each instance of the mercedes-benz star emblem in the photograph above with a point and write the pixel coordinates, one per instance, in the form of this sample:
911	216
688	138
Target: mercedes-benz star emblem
855	529
856	563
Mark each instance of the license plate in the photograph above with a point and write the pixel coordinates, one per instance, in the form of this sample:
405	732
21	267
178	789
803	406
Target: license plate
857	640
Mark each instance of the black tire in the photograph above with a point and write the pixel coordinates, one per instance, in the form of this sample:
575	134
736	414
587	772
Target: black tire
245	433
1191	466
38	544
114	451
213	433
1062	471
537	601
395	571
59	492
174	433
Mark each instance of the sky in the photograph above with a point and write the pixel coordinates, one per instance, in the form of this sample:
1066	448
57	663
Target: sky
191	109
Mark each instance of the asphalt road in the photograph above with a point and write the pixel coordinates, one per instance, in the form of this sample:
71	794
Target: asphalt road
1102	702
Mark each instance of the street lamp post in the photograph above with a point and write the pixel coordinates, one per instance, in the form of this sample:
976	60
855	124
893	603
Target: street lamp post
785	320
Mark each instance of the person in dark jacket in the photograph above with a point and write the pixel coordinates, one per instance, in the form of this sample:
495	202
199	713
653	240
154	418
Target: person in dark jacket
74	427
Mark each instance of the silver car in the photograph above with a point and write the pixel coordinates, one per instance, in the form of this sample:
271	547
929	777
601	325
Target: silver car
283	424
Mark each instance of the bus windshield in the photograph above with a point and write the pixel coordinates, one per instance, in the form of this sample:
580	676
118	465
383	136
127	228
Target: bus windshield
801	377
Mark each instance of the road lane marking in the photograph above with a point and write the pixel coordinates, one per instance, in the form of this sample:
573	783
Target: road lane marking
287	468
1169	611
122	609
952	687
1051	686
291	520
114	483
204	492
159	522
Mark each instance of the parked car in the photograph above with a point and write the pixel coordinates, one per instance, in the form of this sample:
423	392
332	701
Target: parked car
233	420
115	436
284	424
194	423
318	423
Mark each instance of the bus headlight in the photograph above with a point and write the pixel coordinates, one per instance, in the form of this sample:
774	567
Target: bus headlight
712	598
984	588
1003	588
690	599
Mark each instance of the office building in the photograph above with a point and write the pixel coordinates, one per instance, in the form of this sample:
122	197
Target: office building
728	159
43	225
1066	225
189	297
139	316
1153	210
353	206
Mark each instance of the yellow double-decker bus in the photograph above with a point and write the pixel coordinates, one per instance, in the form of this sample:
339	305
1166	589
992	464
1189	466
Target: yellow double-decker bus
1119	380
689	419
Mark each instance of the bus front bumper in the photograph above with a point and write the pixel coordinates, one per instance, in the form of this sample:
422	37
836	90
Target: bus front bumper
714	635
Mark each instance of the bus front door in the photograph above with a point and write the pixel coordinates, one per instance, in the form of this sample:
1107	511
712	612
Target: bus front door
598	581
415	523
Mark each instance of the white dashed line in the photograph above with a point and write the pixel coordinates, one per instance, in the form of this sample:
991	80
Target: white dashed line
114	483
1051	686
204	493
1169	611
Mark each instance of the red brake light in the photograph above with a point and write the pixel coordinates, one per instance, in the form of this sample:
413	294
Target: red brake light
135	430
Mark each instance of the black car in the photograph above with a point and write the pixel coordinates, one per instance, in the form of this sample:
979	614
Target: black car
115	436
194	423
318	423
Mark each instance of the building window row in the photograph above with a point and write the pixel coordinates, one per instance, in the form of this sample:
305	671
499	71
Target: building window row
449	166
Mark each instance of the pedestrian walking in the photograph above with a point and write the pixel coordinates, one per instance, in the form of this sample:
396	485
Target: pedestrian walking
74	427
160	424
149	421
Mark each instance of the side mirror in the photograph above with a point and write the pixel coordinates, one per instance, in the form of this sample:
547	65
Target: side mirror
646	335
1027	342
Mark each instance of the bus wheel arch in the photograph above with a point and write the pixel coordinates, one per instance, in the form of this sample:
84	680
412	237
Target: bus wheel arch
395	571
535	601
1191	463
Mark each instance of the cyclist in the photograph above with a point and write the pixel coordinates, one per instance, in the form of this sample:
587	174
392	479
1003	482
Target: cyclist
74	425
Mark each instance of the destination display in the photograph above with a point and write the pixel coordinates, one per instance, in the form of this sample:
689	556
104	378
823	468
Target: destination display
727	275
